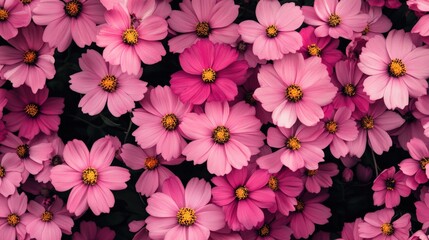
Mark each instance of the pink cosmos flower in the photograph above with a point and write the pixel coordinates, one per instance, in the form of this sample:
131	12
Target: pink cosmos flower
160	117
286	185
300	147
102	82
10	174
67	20
108	4
394	73
128	42
386	3
139	227
13	210
183	213
309	211
351	230
389	187
419	235
272	228
323	47
223	136
378	225
48	223
416	165
31	113
421	27
246	53
354	48
373	126
377	22
320	178
422	208
55	158
335	18
29	60
163	8
418	5
243	194
203	19
90	231
155	173
210	72
422	104
13	15
274	34
90	176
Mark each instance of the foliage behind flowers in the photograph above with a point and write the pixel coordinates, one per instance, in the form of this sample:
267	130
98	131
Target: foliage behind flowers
214	119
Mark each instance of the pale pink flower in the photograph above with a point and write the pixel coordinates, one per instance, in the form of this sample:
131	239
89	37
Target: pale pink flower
10	174
389	187
379	225
419	235
377	23
421	27
55	158
320	178
90	231
416	165
13	210
13	15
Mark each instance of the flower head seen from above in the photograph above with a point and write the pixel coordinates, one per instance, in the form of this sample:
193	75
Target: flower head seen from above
416	165
380	225
389	187
320	178
13	210
13	15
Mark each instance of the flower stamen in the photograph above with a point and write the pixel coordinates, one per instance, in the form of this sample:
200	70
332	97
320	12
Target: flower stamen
186	216
90	176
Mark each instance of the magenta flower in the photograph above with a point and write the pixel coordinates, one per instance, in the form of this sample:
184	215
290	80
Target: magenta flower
203	19
243	194
335	18
377	22
155	173
55	158
90	231
394	73
160	117
10	174
224	136
416	165
389	187
274	34
13	15
67	20
422	210
29	60
12	211
48	223
139	227
386	3
90	176
182	213
378	225
128	43
31	113
272	228
102	82
320	178
300	147
210	72
295	89
351	230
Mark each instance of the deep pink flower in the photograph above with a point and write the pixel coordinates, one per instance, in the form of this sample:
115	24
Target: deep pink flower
422	210
272	228
10	174
160	117
29	60
274	34
351	230
55	158
127	42
90	176
183	213
12	210
104	83
210	72
243	194
386	3
416	165
225	234
203	19
379	225
389	187
377	23
13	15
3	100
90	231
295	89
354	48
395	73
335	18
226	137
67	20
48	223
31	113
320	178
139	227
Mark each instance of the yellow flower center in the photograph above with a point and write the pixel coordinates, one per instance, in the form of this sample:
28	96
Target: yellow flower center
186	216
170	122
90	176
273	183
334	20
208	75
73	8
387	229
366	30
47	216
109	83
264	230
32	110
25	2
30	57
293	143
130	36
2	172
271	31
397	68
221	135
241	193
4	14
331	126
349	90
313	50
311	173
151	163
299	207
12	219
23	151
294	93
367	122
423	163
202	29
390	184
